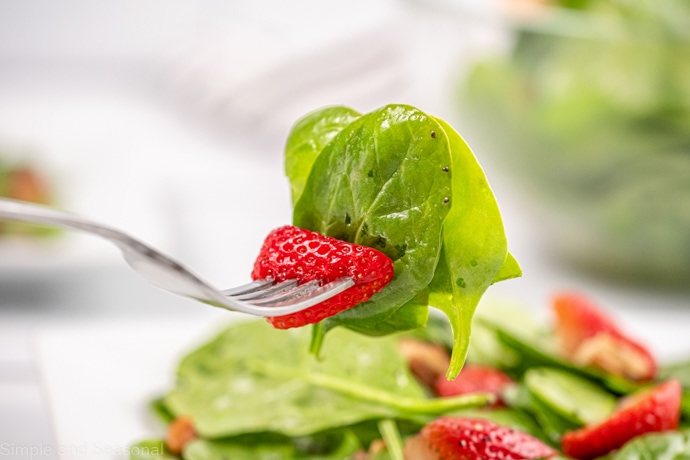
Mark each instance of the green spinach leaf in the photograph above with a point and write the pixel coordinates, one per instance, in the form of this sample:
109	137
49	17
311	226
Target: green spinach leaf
150	450
308	138
381	182
509	270
474	247
658	446
161	412
518	397
572	397
407	184
259	448
255	379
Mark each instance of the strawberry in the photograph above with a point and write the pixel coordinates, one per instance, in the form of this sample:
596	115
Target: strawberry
653	410
589	337
454	438
473	379
295	253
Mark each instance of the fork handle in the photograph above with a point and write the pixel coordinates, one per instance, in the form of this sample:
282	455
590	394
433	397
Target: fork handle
154	266
29	212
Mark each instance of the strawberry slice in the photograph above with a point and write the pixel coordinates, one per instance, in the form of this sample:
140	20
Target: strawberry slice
589	337
652	410
474	379
454	438
295	253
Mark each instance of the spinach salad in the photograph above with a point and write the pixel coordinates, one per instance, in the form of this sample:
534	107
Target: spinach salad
406	184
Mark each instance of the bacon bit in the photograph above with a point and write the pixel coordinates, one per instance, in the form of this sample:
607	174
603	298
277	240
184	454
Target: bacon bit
180	433
427	361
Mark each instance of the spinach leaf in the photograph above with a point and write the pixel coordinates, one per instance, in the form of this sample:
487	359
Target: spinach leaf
391	436
509	270
284	449
487	347
150	450
553	425
437	330
577	399
255	379
407	184
308	138
658	446
685	405
381	182
679	370
474	247
161	412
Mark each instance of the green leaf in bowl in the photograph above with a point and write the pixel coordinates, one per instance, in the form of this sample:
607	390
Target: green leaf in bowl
572	397
255	379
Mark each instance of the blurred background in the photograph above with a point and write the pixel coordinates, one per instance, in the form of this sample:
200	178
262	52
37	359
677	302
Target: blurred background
167	119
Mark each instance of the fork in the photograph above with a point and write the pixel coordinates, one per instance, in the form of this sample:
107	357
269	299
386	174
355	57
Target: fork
263	297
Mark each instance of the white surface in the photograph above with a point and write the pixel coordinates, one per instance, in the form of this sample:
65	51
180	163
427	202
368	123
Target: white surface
130	29
100	378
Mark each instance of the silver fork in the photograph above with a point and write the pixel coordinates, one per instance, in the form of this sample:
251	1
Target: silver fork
263	297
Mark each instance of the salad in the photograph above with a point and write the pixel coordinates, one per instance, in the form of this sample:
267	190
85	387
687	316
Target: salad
396	200
254	392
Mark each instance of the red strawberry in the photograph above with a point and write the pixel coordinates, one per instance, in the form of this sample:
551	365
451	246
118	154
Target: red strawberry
453	438
473	379
294	253
590	337
653	410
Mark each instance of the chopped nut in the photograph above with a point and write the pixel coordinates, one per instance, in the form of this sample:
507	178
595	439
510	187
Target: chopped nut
613	355
377	447
417	449
180	433
427	361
